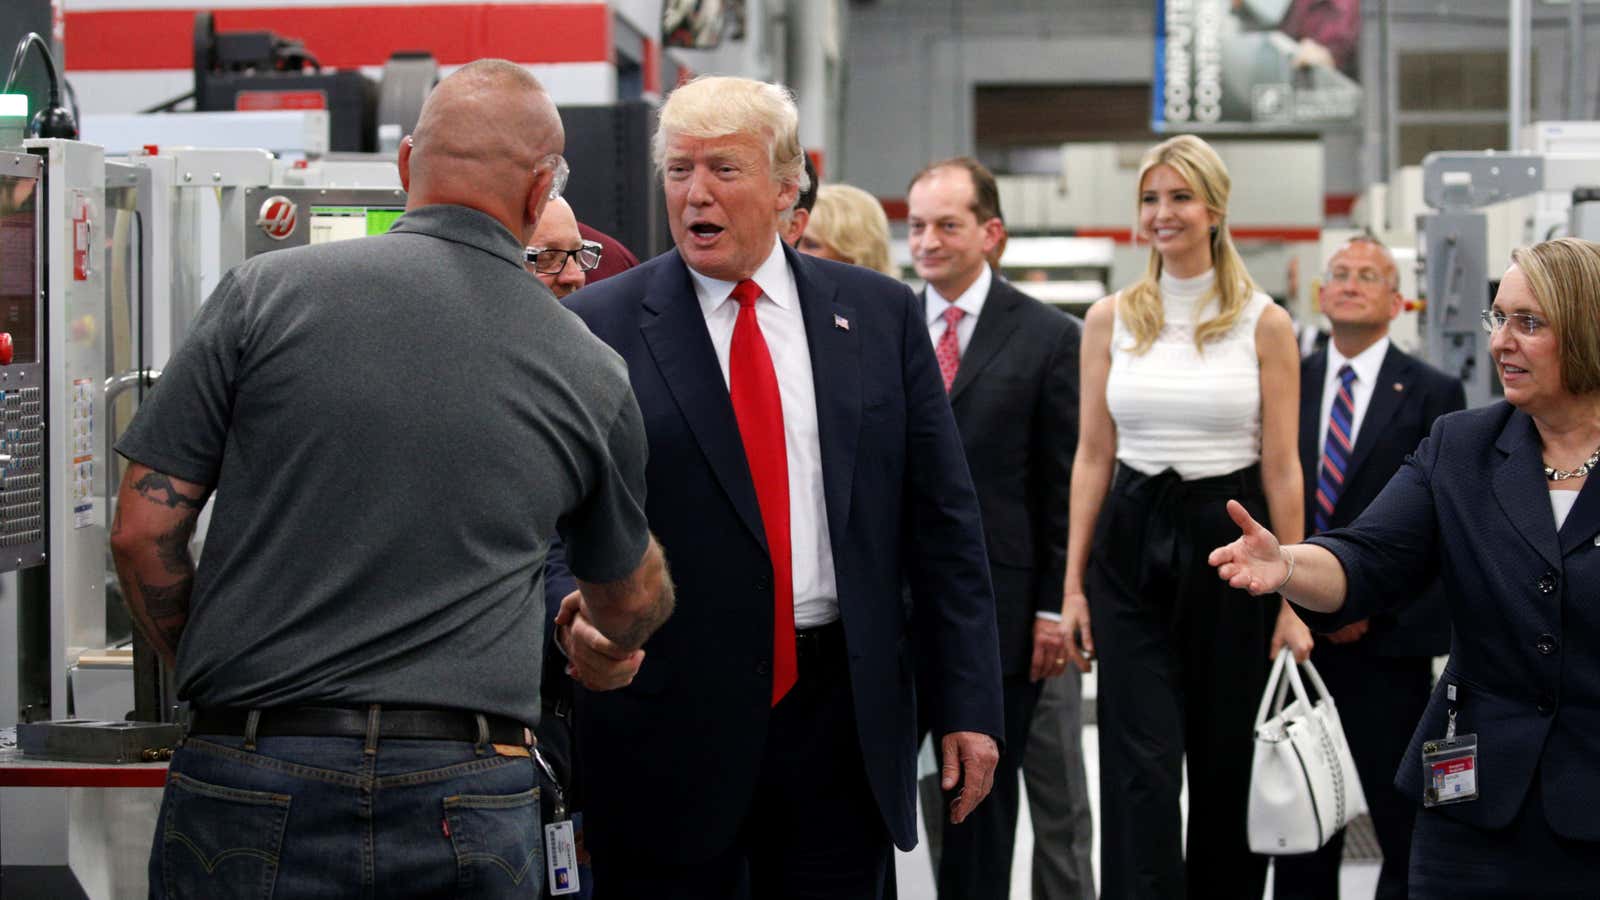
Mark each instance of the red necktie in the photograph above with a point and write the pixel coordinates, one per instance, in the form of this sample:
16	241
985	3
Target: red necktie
753	387
949	349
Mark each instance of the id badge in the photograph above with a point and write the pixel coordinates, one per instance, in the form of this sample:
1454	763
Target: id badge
1450	770
561	858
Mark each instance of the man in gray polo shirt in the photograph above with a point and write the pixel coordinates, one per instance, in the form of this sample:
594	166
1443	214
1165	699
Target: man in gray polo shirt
395	428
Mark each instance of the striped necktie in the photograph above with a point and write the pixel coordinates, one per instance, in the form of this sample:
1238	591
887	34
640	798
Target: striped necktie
1335	450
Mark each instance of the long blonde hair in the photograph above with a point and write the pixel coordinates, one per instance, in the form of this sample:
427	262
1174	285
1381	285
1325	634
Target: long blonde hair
1140	305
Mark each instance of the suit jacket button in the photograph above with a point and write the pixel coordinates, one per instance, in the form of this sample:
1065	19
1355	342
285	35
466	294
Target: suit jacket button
763	583
1546	706
1547	584
1546	644
763	668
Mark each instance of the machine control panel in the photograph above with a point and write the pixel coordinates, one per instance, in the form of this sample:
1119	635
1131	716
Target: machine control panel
23	443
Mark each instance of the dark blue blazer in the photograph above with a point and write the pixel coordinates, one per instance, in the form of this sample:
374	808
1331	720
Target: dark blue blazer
1408	397
1015	399
670	762
1472	506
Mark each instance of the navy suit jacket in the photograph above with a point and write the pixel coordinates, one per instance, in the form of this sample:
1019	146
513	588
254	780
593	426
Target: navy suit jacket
1408	397
1015	399
671	762
1472	506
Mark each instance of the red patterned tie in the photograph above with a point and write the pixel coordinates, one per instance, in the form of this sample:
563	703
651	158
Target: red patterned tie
949	349
753	386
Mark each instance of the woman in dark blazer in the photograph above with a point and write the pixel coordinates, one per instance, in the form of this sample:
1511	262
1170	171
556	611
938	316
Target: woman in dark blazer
1503	502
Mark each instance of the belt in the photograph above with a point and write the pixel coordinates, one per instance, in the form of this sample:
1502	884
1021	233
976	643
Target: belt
813	643
332	721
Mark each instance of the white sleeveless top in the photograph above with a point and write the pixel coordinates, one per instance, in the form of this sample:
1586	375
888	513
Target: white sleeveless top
1177	408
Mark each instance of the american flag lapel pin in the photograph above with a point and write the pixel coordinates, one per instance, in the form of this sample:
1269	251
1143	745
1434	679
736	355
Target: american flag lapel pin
1398	386
840	322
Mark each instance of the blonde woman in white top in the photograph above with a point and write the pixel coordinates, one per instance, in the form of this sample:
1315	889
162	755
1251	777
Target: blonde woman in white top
1190	381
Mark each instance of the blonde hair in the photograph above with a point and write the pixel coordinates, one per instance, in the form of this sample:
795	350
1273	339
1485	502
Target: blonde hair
1140	305
714	106
1564	275
852	223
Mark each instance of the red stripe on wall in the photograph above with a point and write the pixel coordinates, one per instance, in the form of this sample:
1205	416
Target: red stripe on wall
350	36
652	67
1267	233
895	208
1338	204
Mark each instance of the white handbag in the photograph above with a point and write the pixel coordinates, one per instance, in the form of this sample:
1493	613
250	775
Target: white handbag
1303	782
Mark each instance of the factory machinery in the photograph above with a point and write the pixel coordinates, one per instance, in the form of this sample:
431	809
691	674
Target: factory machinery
103	264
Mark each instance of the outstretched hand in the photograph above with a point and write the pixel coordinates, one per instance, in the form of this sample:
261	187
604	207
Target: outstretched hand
1254	562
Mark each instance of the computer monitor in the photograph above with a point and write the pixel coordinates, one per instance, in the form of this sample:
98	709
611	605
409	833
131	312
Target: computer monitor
338	223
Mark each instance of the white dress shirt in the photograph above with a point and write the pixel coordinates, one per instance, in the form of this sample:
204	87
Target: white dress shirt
816	595
970	302
1366	364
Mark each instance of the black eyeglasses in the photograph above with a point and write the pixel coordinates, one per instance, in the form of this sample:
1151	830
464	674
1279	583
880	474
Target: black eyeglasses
1529	325
551	260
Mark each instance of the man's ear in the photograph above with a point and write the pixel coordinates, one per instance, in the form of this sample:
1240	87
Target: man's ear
404	164
993	230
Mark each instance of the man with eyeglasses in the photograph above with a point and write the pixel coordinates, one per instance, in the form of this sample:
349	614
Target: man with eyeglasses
1365	405
403	423
558	255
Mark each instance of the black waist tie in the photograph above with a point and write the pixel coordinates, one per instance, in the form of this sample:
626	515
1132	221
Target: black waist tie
1155	530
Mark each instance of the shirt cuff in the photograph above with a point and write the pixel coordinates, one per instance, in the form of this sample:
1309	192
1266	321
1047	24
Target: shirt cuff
1048	616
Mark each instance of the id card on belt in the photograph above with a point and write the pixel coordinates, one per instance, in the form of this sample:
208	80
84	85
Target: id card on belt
561	858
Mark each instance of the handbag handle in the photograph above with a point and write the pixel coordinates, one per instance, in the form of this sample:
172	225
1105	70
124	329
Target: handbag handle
1273	697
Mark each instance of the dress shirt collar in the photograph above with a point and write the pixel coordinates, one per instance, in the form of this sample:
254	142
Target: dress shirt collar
772	276
1366	363
970	301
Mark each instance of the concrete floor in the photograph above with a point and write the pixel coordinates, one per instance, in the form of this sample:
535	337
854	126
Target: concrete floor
1357	880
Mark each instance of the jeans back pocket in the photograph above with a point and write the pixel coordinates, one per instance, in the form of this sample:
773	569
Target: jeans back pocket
220	841
499	844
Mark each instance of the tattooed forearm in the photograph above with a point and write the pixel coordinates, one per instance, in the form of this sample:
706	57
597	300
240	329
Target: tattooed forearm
158	488
172	547
161	611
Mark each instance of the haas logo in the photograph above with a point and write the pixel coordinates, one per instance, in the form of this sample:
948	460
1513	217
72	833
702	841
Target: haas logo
278	217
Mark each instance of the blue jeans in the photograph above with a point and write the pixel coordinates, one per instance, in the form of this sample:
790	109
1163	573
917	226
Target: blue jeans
304	817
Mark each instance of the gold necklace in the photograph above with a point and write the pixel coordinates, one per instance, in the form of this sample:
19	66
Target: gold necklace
1555	474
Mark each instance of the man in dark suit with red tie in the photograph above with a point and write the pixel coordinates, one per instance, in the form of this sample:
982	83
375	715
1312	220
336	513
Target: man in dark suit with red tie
1010	364
1364	406
804	464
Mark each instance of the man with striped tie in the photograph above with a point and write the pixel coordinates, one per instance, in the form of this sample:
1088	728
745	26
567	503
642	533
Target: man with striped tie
1365	405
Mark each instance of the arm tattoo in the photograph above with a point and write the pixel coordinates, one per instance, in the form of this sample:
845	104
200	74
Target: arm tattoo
158	488
161	611
173	547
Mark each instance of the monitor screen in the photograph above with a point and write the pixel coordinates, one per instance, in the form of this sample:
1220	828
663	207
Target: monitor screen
337	223
19	265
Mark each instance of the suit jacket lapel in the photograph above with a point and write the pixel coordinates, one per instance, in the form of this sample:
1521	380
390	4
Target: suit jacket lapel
836	380
1584	521
994	327
674	329
1520	488
1312	374
1388	395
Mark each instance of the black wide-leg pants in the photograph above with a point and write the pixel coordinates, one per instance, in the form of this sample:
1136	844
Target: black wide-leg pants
1182	663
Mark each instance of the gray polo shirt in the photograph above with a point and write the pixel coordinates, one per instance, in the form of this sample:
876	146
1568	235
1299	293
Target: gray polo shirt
395	427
